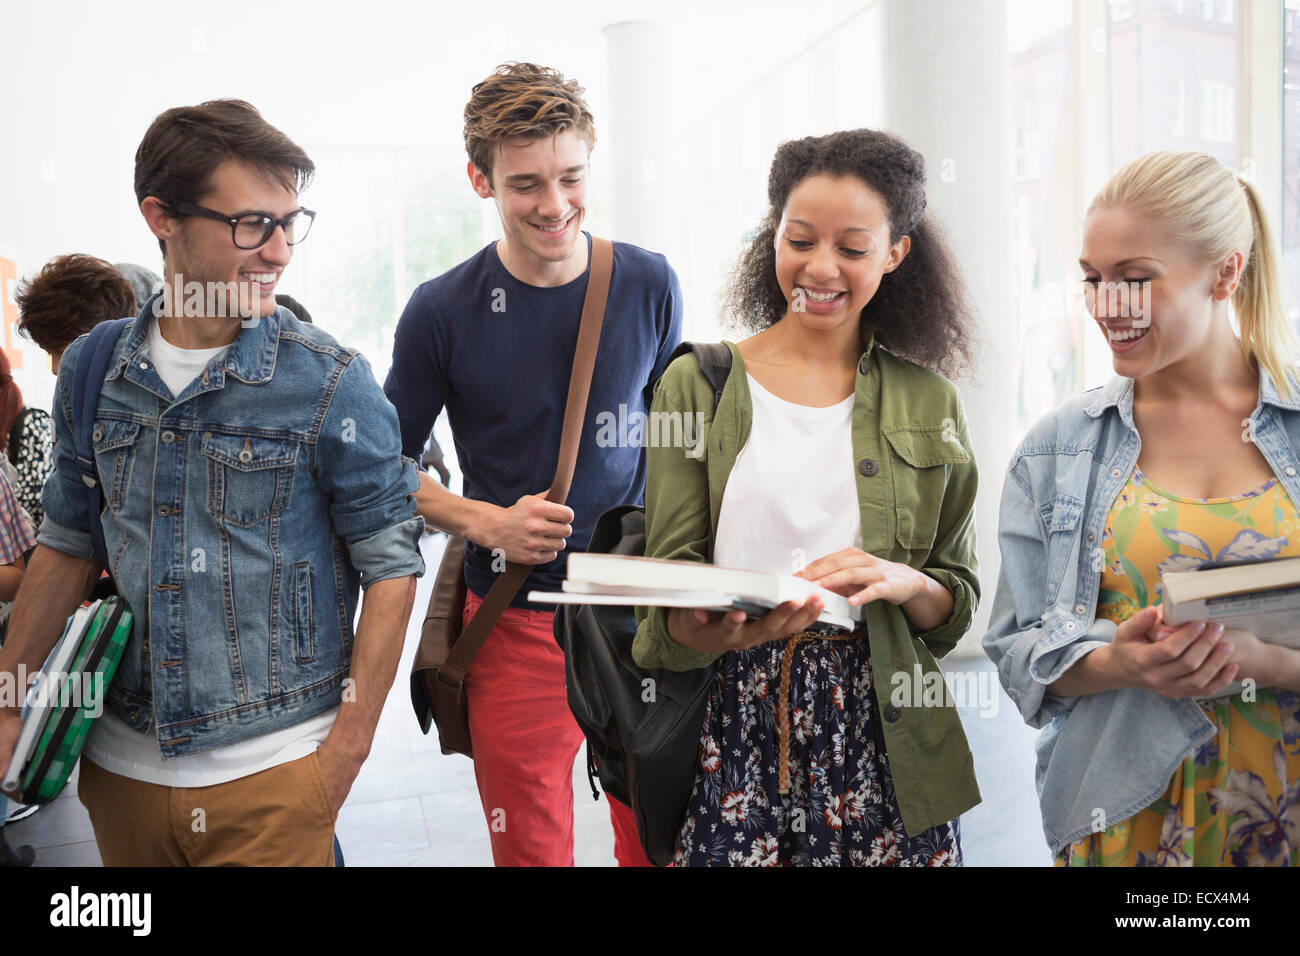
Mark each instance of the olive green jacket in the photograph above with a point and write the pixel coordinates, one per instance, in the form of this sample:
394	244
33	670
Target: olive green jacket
916	483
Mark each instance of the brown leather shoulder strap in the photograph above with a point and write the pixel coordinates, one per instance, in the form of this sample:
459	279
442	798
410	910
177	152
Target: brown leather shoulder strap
512	579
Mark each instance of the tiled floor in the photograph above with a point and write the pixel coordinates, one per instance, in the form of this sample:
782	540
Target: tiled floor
411	806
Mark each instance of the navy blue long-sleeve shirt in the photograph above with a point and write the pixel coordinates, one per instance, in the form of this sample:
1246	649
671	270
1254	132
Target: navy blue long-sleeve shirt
497	353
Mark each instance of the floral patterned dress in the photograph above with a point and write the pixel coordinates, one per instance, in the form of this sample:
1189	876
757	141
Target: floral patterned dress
1236	802
31	450
840	809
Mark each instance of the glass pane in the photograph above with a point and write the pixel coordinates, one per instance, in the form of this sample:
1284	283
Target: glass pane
1290	226
1039	43
1173	76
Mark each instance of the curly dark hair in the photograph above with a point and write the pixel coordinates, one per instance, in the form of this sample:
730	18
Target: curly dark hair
920	312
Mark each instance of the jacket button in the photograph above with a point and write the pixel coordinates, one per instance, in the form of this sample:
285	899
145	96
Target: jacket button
893	712
168	436
1114	472
98	433
864	365
1290	471
1080	609
868	467
1091	536
164	511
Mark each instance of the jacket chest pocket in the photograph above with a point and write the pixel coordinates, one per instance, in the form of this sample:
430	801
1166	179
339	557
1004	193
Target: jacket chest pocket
922	456
1061	519
115	446
249	479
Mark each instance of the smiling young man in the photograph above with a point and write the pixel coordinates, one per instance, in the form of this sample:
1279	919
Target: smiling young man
492	341
252	480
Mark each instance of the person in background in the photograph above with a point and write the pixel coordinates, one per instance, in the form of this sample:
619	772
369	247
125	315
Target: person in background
144	282
67	298
26	438
16	539
838	447
1161	745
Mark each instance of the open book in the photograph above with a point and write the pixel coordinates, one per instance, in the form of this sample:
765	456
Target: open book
1260	596
620	579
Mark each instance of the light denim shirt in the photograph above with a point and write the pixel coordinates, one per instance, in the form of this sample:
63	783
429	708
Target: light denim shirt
1101	757
240	518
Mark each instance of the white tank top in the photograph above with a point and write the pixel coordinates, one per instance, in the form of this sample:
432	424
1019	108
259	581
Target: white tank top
792	495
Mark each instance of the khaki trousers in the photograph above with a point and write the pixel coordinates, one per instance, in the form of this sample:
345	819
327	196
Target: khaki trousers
278	817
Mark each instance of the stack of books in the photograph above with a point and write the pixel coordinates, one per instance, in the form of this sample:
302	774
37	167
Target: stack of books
1262	597
65	698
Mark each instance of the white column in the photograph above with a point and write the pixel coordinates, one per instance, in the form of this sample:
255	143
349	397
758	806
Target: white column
946	72
637	129
1260	102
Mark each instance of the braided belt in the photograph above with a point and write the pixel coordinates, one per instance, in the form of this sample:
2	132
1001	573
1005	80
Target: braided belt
785	707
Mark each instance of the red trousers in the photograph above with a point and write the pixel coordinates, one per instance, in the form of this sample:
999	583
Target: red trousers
525	741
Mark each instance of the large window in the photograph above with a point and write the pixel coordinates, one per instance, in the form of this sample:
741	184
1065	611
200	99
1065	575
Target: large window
1290	227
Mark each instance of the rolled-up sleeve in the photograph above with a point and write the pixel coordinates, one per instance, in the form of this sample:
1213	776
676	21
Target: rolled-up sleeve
1029	642
66	526
371	484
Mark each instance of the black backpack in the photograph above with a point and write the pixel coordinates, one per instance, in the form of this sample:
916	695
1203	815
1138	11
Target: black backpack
642	726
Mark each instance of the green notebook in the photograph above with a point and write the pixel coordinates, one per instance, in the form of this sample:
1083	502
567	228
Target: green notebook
81	698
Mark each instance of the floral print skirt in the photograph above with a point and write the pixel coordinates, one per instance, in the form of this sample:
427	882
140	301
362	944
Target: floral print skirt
840	809
1236	802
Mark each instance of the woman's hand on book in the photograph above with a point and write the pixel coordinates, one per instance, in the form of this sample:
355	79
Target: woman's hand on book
713	632
863	577
1183	660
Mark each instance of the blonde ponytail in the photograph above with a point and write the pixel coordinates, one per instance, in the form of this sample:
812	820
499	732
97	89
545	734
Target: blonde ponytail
1266	333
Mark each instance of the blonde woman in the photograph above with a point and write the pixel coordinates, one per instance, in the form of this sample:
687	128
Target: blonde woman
1161	745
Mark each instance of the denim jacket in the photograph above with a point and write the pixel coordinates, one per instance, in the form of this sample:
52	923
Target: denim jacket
916	482
1101	757
239	519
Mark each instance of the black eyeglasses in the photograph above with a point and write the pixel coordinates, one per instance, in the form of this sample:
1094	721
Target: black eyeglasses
252	229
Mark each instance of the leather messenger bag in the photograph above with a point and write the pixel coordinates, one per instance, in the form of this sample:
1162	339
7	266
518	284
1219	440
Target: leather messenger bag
446	651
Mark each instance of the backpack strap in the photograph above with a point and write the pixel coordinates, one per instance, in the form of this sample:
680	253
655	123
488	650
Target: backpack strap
715	363
87	381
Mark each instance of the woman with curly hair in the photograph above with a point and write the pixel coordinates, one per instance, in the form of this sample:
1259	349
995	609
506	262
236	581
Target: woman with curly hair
837	439
1161	745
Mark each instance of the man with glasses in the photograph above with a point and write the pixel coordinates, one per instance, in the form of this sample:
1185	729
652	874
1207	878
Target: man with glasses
253	479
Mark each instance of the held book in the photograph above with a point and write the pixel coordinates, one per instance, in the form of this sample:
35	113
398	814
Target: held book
619	579
1260	596
66	698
